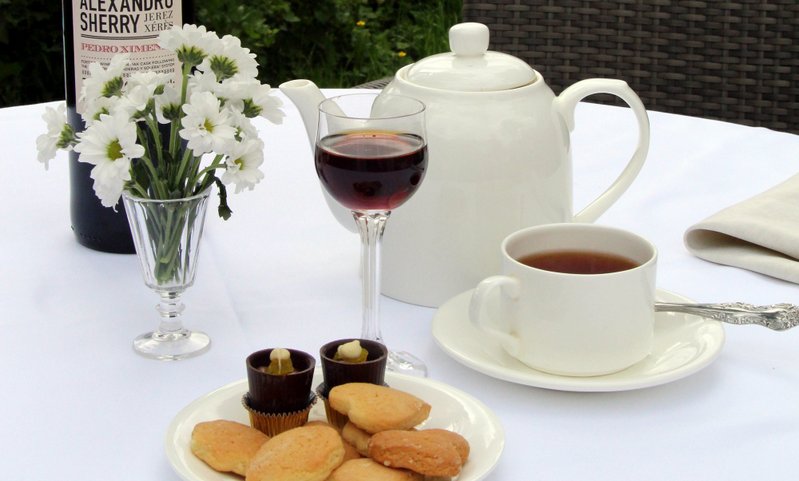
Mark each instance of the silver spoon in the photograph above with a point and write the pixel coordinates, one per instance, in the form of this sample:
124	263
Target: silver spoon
778	317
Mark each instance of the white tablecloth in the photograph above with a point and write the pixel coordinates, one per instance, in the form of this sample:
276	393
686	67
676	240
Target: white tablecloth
77	404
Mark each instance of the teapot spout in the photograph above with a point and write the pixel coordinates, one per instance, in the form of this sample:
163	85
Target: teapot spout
306	96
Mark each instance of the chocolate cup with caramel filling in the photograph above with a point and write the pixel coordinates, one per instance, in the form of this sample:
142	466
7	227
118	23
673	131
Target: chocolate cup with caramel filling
270	393
373	370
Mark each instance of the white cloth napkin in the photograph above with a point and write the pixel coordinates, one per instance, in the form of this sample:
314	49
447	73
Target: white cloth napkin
760	234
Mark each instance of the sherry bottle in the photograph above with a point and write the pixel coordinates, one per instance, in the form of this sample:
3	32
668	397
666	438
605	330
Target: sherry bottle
94	31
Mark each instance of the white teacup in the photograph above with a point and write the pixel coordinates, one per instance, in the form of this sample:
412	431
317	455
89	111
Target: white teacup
574	324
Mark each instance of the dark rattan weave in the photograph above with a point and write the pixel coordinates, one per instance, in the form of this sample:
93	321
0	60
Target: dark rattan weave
730	60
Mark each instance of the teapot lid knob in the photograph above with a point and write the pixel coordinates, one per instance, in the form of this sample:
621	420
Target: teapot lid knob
470	66
468	39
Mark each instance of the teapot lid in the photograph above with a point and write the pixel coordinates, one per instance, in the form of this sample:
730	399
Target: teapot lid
471	67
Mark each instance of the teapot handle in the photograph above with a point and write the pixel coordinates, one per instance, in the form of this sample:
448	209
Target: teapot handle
566	103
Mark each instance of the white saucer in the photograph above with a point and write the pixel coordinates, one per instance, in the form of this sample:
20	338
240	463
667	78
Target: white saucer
451	409
683	345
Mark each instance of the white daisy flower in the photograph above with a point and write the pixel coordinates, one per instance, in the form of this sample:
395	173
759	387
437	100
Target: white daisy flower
269	104
167	105
109	144
104	82
244	127
251	97
206	126
140	89
230	58
134	102
153	82
236	88
98	106
204	82
49	142
190	42
242	164
180	36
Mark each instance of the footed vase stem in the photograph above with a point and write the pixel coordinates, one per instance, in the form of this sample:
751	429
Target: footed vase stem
170	307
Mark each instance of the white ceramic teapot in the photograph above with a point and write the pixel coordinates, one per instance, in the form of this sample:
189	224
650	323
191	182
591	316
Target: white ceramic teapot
500	160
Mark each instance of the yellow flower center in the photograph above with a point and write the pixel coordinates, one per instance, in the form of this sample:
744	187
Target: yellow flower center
401	54
208	126
114	150
360	23
240	163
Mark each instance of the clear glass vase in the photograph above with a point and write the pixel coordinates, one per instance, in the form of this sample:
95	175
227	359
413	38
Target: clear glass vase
167	235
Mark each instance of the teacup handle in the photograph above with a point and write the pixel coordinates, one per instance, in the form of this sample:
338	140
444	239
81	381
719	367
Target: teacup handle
567	101
510	287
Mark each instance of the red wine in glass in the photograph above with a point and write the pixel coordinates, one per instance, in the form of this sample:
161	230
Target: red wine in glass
371	170
371	156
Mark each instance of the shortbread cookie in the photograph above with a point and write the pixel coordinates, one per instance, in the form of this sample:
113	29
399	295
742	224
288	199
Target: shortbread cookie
317	422
226	446
425	452
350	452
365	469
376	408
460	443
306	453
357	437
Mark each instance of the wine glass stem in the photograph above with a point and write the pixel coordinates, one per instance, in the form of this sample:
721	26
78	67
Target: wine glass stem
370	226
170	308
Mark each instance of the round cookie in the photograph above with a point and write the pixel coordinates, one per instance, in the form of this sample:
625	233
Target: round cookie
376	408
457	441
350	451
306	453
226	446
428	452
365	469
357	437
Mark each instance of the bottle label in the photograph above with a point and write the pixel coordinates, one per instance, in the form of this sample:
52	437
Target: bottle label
104	28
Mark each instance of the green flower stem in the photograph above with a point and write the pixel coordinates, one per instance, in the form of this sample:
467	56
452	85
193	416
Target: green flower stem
171	236
185	85
184	161
174	139
194	166
137	189
166	227
152	124
155	181
217	163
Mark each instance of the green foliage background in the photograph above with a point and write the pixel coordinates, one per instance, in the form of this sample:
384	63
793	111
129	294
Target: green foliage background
335	43
31	62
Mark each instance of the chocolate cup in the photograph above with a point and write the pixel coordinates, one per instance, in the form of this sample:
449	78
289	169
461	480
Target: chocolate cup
273	424
280	393
334	418
373	370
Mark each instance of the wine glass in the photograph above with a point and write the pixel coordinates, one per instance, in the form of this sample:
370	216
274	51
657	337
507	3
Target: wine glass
371	156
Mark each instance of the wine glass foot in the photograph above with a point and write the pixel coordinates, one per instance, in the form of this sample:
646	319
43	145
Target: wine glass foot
406	363
172	346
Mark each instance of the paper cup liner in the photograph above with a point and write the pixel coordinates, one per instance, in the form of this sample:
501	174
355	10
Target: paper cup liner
335	418
272	424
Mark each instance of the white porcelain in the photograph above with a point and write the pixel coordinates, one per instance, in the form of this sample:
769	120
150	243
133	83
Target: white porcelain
683	345
570	324
500	160
452	409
